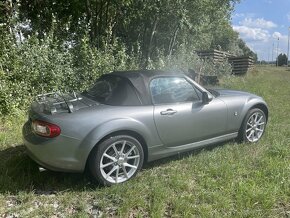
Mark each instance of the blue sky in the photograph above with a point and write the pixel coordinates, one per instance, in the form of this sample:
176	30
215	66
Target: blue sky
260	23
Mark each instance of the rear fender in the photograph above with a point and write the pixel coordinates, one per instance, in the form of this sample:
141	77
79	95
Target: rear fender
109	127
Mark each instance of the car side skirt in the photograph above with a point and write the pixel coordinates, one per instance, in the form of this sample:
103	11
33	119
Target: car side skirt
162	151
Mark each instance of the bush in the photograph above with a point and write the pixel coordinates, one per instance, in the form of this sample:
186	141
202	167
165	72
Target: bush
35	66
39	66
183	59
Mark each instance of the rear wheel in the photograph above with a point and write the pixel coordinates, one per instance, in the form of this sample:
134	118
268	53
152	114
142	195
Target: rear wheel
253	126
116	160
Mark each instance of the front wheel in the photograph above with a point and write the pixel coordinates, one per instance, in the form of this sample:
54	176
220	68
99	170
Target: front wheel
116	160
253	126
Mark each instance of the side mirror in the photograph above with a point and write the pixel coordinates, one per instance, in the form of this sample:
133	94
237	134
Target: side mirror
206	98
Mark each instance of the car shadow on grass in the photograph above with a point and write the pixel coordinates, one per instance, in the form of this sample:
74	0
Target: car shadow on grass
20	173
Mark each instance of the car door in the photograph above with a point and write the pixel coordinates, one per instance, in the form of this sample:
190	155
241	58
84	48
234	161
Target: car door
179	114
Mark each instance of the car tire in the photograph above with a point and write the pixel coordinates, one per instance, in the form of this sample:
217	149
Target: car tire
253	126
116	160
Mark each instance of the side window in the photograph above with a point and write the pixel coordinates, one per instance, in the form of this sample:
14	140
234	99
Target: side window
166	90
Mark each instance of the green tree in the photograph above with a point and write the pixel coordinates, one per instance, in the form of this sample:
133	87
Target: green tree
55	45
147	28
282	59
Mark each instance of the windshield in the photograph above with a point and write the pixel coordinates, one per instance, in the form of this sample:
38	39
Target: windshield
113	90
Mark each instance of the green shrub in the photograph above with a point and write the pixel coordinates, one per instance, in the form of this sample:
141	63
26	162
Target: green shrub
184	59
35	66
38	66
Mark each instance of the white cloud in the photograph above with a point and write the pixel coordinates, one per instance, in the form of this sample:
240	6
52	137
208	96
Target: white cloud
258	23
261	36
238	15
252	34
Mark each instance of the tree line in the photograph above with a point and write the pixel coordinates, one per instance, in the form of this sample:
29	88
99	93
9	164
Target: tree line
149	28
51	45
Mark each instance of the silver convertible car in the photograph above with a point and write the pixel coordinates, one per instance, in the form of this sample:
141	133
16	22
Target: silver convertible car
132	117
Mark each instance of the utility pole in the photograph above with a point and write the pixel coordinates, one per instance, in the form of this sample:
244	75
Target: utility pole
287	64
273	52
277	52
268	60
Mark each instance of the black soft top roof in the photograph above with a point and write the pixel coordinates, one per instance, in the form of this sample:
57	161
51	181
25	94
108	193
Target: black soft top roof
140	80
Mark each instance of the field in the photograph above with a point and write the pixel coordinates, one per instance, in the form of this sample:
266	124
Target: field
228	180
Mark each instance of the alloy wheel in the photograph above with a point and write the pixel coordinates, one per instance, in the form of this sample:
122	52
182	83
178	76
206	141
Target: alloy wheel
119	161
255	126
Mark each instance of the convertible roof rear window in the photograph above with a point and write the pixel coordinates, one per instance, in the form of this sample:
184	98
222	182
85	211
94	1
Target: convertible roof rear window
113	90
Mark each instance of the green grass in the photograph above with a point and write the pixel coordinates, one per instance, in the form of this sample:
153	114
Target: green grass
229	180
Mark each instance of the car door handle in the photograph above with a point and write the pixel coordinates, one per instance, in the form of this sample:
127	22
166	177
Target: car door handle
168	112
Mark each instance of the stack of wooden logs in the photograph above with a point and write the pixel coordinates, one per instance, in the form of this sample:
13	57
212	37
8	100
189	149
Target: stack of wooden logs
215	55
240	65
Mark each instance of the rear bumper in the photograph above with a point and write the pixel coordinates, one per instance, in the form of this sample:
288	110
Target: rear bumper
61	153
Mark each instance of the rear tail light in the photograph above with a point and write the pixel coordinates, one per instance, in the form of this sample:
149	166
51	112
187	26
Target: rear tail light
45	129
